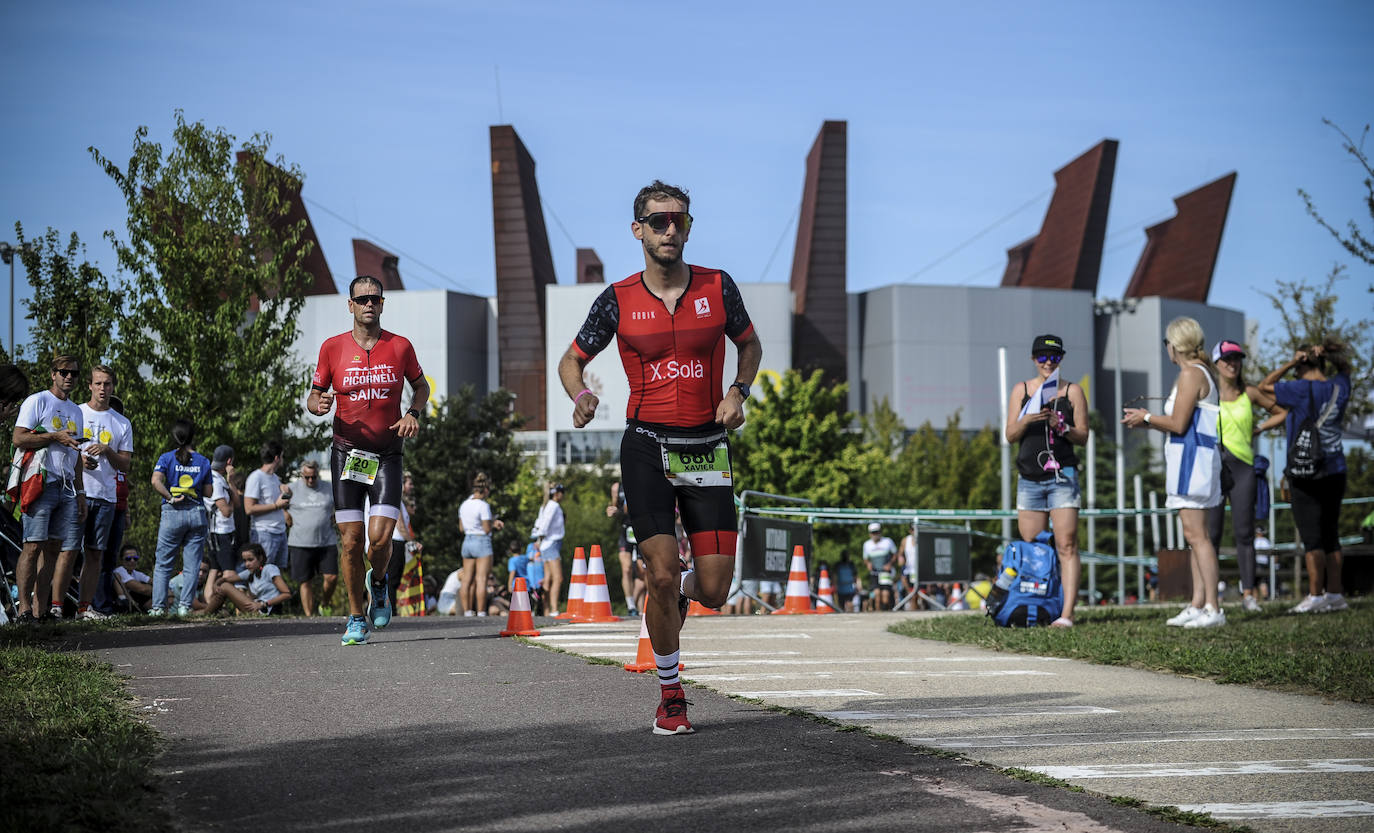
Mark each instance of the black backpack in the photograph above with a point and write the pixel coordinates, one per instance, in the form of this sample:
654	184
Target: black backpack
1306	457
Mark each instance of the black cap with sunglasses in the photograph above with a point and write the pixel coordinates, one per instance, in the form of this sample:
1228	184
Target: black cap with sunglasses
1047	344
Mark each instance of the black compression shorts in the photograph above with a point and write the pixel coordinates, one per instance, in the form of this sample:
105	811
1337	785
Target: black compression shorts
349	495
708	512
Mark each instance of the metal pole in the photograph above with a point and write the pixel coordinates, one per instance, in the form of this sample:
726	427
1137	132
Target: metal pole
1140	539
1092	490
1120	468
1154	520
1005	444
11	341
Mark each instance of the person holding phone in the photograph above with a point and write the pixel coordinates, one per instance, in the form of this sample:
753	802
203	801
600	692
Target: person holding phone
1049	418
182	477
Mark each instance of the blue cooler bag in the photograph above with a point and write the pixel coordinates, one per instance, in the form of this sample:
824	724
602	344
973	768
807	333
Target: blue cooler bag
1036	596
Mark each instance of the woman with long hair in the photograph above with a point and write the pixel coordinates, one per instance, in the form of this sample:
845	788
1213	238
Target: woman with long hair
1048	419
1316	399
478	523
1192	462
1240	482
182	477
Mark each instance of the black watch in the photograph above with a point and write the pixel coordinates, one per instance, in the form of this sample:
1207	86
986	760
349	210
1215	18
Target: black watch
414	413
743	388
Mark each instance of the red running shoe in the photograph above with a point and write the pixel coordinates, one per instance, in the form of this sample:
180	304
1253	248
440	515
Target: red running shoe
672	713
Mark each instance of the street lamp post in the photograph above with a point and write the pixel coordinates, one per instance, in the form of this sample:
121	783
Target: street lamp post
7	254
1114	308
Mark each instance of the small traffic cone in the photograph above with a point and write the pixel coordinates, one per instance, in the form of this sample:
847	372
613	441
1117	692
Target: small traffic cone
798	599
696	608
644	656
826	593
520	622
596	599
577	587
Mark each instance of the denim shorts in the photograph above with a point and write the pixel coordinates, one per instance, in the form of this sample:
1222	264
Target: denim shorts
553	553
1046	496
99	518
53	517
476	546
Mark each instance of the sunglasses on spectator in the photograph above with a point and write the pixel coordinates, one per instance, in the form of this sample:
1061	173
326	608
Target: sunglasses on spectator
67	372
366	300
130	558
660	220
1049	358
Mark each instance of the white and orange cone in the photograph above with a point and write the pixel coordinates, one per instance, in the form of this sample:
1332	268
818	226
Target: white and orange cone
798	599
577	586
520	622
644	655
826	593
596	600
696	608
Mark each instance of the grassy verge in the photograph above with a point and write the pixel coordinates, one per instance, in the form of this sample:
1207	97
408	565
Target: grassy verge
1330	654
76	755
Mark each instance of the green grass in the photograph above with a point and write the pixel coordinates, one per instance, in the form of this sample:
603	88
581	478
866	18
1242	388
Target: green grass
76	755
1329	654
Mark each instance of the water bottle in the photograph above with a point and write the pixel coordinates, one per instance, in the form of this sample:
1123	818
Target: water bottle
997	596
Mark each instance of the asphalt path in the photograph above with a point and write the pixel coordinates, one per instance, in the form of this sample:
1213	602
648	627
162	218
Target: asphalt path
439	724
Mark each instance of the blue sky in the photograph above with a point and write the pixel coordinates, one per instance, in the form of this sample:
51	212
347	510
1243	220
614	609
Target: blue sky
957	118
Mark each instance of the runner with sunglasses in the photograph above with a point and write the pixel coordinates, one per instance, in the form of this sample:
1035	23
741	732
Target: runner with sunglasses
1049	418
365	370
671	321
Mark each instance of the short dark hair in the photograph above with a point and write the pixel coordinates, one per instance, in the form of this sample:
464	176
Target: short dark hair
660	190
61	360
271	450
353	284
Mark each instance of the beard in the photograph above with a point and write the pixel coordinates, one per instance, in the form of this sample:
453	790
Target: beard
657	256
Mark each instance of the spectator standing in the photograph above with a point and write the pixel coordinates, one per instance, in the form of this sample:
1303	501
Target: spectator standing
267	590
1317	400
1048	418
182	478
846	582
49	425
104	590
906	558
549	530
265	500
618	510
223	502
478	523
312	541
880	555
1192	463
107	453
131	584
403	539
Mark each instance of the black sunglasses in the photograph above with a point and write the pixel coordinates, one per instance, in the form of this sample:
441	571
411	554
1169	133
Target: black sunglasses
660	220
1049	358
366	300
65	371
130	558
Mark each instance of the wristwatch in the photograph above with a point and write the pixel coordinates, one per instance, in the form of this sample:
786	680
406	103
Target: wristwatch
743	388
1147	417
414	413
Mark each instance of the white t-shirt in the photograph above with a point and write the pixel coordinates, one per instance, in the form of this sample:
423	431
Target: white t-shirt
45	411
909	553
111	428
124	574
549	527
265	488
219	490
402	531
473	511
262	587
880	553
451	584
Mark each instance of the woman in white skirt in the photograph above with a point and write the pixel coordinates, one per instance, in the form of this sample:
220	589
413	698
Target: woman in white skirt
1192	462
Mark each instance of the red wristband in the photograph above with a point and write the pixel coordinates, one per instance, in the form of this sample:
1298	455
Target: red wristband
580	394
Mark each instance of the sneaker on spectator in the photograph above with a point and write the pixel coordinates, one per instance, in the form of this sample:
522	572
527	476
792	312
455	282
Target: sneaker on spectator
1335	601
326	610
355	632
467	613
378	603
90	614
55	611
481	613
672	713
27	618
1250	605
183	610
157	611
1209	618
1185	616
1311	604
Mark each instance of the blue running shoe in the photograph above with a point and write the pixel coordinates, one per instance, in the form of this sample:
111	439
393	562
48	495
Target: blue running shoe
378	602
355	633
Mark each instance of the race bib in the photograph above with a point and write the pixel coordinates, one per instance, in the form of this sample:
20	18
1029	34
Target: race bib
361	466
711	468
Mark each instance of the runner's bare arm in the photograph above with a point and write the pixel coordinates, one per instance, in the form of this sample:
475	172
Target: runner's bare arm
409	425
320	401
570	369
730	411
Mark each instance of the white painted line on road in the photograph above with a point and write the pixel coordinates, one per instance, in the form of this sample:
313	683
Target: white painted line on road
1285	810
191	676
1126	738
1033	816
725	678
812	692
460	673
971	711
1200	769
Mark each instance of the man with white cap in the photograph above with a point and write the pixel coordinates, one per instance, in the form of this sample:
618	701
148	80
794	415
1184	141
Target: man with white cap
880	554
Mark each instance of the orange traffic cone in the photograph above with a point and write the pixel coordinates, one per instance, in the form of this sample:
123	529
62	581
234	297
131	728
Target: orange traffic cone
826	593
577	587
520	622
596	599
696	608
798	599
644	656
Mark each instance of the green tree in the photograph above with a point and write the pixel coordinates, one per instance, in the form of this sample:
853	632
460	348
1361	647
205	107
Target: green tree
464	434
214	288
1358	243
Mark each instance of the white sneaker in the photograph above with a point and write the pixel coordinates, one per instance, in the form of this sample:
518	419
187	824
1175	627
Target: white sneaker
183	610
1335	601
1311	604
55	611
157	611
1250	605
469	613
1207	618
91	614
1185	616
481	613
